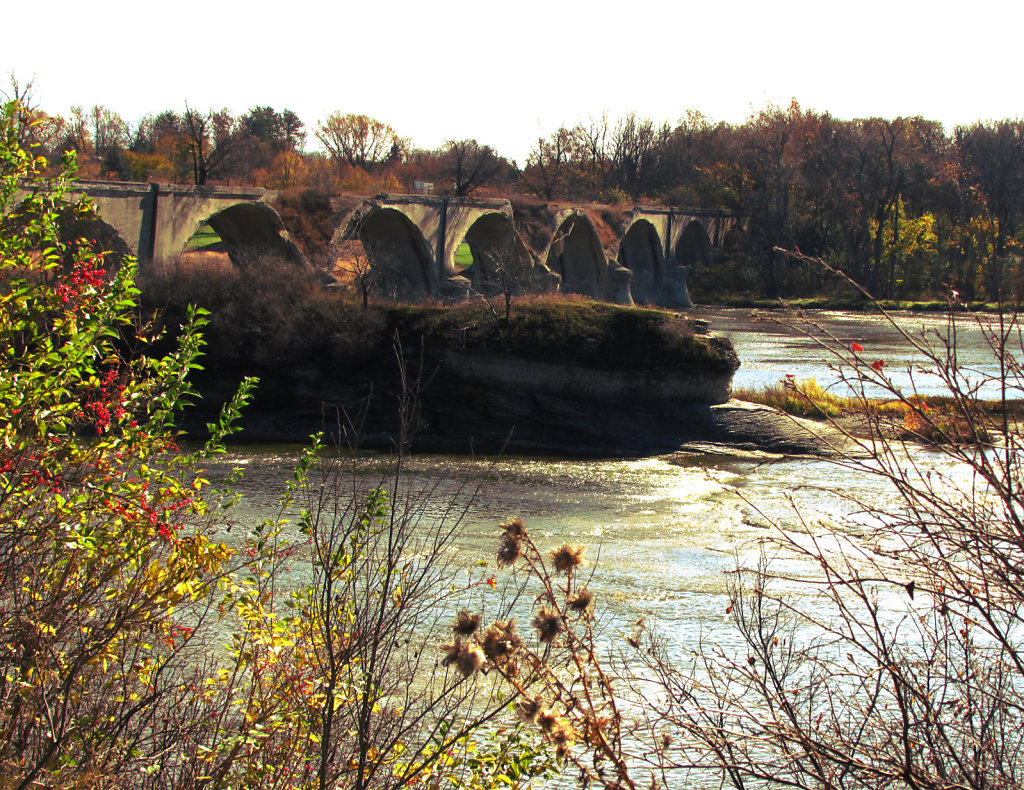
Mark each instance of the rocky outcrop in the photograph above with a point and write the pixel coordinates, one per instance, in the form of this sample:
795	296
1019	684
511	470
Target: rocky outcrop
751	426
485	403
670	385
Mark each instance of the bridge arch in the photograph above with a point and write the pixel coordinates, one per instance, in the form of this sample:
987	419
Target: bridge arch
249	232
492	241
693	249
576	255
641	252
397	251
100	236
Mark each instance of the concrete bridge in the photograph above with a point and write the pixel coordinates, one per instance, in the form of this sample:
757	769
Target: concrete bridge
416	238
156	221
413	240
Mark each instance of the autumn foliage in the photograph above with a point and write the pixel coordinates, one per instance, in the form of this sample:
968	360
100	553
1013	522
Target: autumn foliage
146	637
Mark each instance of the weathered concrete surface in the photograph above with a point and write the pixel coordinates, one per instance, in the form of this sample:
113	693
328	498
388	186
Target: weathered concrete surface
661	245
414	239
156	221
576	255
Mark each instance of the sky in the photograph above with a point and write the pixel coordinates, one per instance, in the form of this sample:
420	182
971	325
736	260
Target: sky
508	73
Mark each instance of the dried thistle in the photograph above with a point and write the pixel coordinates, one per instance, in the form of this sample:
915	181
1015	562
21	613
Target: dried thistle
466	623
548	624
562	733
510	550
467	658
515	528
547	720
581	601
528	708
593	729
567	557
500	640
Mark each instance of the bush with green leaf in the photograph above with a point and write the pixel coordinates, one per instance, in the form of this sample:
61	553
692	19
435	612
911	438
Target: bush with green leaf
118	588
105	571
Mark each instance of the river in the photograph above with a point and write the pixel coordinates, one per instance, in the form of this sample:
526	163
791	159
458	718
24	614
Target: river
771	347
662	532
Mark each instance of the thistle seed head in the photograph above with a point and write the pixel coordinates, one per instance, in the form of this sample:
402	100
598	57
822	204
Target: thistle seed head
515	528
548	624
466	623
567	557
546	720
509	551
562	733
528	708
581	601
467	658
500	640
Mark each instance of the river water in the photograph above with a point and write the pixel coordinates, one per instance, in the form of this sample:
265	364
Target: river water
771	347
662	532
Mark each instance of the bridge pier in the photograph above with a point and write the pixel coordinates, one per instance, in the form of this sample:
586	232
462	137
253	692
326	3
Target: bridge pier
619	278
674	290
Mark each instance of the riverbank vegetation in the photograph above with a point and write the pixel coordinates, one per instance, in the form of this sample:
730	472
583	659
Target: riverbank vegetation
902	205
880	645
924	418
281	314
148	636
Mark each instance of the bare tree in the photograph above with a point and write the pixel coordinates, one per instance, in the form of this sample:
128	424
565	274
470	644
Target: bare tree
469	165
507	268
356	266
548	165
109	130
634	149
210	139
359	140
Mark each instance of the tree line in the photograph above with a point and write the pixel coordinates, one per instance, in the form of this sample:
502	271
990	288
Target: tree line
902	205
147	645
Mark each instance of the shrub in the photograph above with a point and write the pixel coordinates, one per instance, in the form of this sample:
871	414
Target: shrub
105	572
897	662
803	398
116	595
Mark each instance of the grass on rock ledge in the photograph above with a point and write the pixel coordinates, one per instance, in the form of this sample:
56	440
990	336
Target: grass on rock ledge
281	315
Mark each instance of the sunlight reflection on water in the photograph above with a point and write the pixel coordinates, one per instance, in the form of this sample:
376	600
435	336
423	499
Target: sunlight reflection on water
664	534
769	350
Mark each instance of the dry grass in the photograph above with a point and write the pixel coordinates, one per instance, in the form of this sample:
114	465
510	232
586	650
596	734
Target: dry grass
201	261
929	419
803	398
